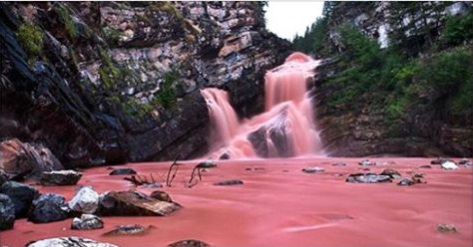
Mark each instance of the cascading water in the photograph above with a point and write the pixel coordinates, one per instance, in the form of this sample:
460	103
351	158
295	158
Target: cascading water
285	129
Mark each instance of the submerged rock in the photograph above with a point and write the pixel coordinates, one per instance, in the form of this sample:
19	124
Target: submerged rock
449	166
391	172
21	195
133	203
207	164
314	169
86	201
406	182
426	166
63	177
447	228
128	230
368	178
87	222
438	161
464	161
122	171
189	243
7	213
68	242
339	164
366	163
229	182
48	208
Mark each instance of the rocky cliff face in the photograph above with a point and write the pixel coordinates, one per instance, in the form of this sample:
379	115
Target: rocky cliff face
108	82
361	127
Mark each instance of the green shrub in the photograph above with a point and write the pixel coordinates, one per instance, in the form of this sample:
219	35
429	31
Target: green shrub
31	38
66	18
457	30
166	96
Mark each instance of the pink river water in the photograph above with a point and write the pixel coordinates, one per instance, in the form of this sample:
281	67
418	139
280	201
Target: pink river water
278	204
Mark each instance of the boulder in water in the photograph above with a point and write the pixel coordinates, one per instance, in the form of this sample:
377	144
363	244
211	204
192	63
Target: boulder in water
368	178
314	169
7	213
68	242
449	165
189	243
48	208
21	195
135	229
122	171
207	164
229	182
366	163
339	164
464	161
63	177
438	161
406	182
447	228
391	172
86	201
87	222
133	203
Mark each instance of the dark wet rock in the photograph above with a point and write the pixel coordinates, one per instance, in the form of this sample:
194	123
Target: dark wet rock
21	195
48	208
438	161
189	243
463	161
366	163
418	175
425	166
224	156
68	242
229	182
63	177
154	185
258	140
447	228
27	159
339	164
406	182
85	201
391	172
87	222
248	169
3	177
366	169
313	170
135	229
133	203
207	164
7	213
123	171
161	195
368	178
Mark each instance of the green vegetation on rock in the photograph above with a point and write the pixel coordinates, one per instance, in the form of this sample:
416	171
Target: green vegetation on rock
31	38
66	18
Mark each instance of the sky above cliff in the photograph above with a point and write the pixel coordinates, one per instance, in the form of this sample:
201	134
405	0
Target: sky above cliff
285	18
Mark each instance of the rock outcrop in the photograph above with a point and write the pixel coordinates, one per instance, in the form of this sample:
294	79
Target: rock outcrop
120	81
